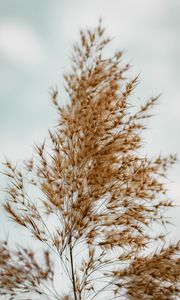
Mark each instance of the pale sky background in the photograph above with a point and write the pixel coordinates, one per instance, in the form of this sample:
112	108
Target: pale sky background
35	43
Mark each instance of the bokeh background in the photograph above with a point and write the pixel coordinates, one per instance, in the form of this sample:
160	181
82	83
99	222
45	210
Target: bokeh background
35	44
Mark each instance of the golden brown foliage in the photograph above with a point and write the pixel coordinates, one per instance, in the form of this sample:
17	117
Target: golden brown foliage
104	195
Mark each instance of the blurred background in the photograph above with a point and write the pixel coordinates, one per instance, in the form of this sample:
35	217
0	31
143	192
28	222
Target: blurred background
35	46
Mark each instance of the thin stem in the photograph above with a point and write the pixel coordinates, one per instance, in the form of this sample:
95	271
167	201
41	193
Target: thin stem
72	271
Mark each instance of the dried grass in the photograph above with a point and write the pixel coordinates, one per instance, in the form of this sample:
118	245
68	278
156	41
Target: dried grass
104	194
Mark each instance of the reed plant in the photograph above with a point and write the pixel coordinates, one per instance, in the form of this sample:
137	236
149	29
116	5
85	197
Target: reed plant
104	195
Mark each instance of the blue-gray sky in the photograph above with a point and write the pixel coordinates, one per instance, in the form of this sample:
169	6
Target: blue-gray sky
35	43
